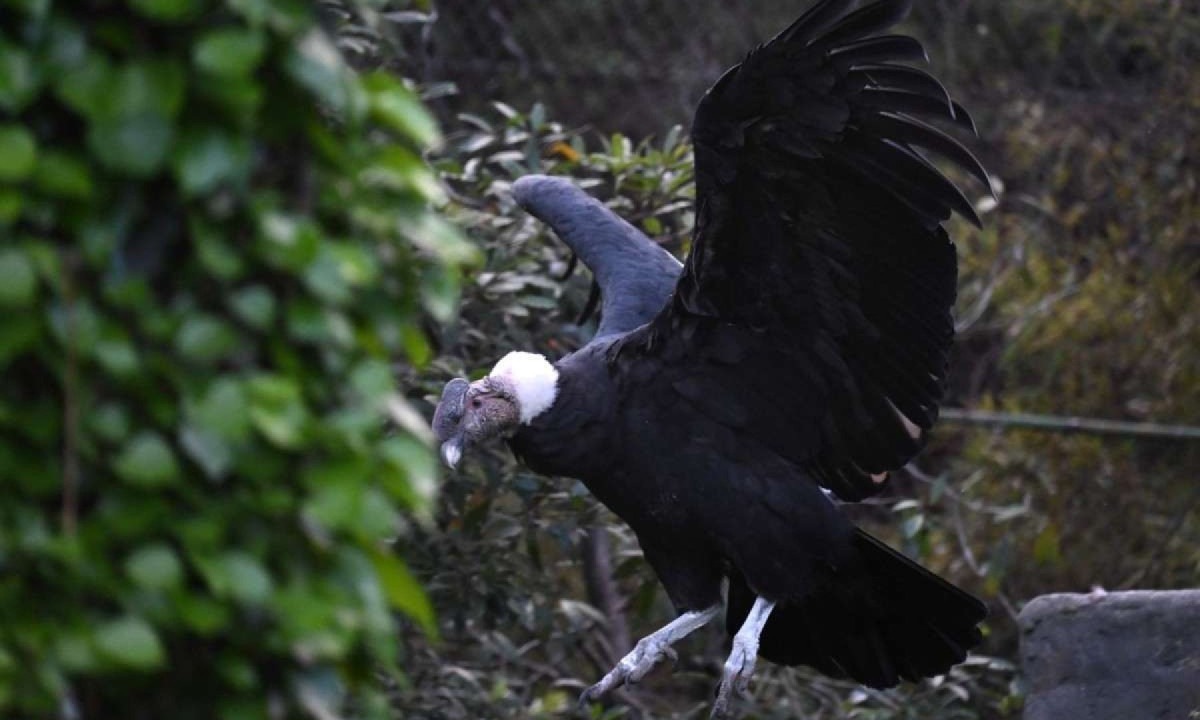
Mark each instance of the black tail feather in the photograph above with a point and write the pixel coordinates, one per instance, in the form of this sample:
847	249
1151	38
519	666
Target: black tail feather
891	620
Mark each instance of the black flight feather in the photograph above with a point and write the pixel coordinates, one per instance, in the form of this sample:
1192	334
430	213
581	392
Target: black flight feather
871	19
877	49
902	77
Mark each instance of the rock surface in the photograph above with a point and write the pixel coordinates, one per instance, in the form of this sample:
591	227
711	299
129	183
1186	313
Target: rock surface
1115	656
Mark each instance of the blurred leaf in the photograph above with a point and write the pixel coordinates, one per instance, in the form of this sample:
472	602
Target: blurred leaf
19	286
397	107
129	642
206	159
19	78
229	52
146	459
254	305
403	591
239	576
134	145
152	87
315	63
205	339
155	567
63	175
277	410
168	10
18	153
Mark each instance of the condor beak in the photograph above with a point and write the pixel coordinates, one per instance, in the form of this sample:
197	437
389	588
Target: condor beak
447	421
452	451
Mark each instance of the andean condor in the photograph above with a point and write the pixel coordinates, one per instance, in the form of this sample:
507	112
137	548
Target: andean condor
799	354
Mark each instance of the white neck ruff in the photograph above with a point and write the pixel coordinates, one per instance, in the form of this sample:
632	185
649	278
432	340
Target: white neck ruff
534	382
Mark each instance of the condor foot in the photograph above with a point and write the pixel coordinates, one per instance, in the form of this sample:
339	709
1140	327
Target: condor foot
632	668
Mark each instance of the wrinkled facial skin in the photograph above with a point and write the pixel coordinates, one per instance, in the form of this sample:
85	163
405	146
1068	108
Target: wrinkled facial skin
470	413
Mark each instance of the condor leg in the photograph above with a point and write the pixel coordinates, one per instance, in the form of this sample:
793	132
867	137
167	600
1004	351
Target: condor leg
740	665
649	651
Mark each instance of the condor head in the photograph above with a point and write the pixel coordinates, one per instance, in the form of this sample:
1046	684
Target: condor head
520	387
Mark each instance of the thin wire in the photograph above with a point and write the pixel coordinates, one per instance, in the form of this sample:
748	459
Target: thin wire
1068	424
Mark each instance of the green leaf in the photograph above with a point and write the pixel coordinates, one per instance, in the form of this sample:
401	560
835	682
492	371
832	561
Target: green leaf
238	575
129	642
110	421
18	153
441	240
255	306
202	614
65	48
229	52
18	280
402	590
63	175
168	10
399	169
324	278
19	78
116	355
277	410
155	567
75	650
11	202
85	87
223	408
440	292
398	108
204	160
335	505
316	65
204	339
147	460
208	449
372	380
135	146
288	240
285	17
153	87
214	251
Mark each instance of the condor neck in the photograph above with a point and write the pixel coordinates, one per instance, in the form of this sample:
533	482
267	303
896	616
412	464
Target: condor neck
573	436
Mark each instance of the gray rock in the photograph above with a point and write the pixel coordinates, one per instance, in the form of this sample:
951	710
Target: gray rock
1115	656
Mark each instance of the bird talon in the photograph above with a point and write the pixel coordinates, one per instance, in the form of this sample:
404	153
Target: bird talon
720	709
590	695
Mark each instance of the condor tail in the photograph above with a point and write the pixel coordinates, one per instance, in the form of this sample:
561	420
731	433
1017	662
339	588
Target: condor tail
892	620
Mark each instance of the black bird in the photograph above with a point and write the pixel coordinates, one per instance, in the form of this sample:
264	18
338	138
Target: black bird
725	405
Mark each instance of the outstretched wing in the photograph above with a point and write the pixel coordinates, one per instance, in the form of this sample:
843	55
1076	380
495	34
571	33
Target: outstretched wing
813	313
635	275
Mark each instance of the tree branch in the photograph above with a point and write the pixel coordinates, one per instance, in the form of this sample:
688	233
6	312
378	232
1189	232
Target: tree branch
602	592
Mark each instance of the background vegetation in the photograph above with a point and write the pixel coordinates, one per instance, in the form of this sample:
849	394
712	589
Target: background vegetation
216	240
229	286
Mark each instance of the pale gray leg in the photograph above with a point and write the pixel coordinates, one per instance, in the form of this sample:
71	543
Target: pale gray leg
649	651
740	665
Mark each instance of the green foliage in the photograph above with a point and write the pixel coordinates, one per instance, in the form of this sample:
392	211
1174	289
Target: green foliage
1077	299
216	238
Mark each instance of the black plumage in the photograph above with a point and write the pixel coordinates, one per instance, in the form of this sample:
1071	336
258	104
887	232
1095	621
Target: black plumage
802	346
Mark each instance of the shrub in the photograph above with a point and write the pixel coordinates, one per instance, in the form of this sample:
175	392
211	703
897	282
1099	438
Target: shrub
216	238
